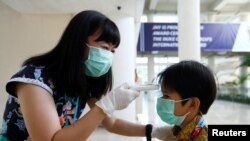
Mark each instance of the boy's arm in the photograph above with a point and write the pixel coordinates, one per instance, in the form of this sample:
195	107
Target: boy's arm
164	133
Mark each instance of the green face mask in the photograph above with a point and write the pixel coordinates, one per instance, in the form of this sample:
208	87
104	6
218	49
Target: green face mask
99	62
165	109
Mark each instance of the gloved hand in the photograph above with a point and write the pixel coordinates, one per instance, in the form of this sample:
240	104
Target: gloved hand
117	99
162	132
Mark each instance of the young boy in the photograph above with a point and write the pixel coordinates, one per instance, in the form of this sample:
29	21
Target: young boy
188	89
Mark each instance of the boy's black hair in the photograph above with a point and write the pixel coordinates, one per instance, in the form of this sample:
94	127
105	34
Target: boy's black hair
64	63
190	79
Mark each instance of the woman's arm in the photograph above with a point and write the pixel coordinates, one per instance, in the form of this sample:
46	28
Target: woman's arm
42	121
120	126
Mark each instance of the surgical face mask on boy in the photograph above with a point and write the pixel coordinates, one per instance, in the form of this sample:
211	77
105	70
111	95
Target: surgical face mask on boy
99	61
165	109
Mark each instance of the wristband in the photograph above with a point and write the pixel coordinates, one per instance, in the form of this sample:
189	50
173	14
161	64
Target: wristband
148	132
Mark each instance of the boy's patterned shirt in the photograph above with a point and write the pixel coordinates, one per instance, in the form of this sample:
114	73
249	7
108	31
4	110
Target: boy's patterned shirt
186	132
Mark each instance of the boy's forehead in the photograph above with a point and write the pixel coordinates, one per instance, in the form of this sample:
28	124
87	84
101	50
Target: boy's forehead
172	92
164	87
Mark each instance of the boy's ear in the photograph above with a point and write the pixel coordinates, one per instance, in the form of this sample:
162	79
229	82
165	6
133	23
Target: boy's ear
195	104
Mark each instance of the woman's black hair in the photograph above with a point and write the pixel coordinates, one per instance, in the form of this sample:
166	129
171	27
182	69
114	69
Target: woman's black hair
64	63
190	79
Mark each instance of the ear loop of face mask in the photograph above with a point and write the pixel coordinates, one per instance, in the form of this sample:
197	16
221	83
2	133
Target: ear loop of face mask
181	101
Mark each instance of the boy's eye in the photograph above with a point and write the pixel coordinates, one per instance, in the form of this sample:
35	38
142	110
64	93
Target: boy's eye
165	96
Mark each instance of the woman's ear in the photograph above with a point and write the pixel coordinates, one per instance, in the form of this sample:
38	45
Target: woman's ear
195	104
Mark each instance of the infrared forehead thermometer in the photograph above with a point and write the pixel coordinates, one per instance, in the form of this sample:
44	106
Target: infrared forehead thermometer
145	87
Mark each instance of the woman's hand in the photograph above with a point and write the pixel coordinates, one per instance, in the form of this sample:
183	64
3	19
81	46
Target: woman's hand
117	99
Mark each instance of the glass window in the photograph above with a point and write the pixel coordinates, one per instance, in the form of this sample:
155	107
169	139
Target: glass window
142	72
160	60
144	19
142	69
165	18
160	63
159	68
142	60
173	60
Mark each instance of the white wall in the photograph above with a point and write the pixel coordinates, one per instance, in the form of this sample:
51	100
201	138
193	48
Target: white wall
124	61
22	36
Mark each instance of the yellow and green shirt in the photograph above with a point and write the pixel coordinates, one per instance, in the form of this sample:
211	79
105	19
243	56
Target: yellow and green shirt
185	133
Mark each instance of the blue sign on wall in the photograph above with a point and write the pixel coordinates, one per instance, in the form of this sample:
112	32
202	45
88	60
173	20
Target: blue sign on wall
215	37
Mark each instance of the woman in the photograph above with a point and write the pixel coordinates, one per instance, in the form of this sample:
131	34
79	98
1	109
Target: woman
49	93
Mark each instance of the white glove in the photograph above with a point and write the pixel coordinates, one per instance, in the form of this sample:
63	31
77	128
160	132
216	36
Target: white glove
163	133
117	99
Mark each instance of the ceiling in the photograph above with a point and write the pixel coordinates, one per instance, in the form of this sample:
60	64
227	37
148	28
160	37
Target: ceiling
108	7
211	10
